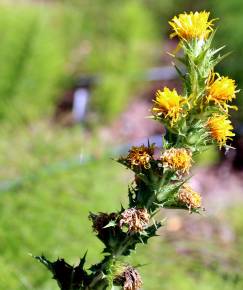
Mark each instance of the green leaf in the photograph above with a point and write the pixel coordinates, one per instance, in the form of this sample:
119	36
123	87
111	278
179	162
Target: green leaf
168	191
180	73
110	224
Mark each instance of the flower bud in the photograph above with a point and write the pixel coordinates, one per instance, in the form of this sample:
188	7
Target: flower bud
129	279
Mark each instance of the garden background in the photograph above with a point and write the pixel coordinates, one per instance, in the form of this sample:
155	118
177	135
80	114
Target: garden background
56	161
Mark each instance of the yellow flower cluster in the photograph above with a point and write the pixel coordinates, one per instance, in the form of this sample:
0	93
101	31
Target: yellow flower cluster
221	91
178	159
192	26
168	104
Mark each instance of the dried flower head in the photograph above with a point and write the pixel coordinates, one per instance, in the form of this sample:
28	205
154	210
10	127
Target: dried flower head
129	278
222	91
187	196
140	156
178	159
220	128
135	219
168	105
193	25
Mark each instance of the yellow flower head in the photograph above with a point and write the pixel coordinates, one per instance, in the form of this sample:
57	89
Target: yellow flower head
193	25
220	128
140	156
168	104
178	159
221	91
187	196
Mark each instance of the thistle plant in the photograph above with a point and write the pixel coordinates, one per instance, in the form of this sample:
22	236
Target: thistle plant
194	120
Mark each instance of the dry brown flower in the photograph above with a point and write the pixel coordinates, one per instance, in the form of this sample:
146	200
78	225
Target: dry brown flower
130	279
135	219
140	156
178	159
189	197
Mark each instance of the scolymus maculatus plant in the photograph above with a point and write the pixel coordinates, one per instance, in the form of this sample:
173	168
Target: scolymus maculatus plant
194	120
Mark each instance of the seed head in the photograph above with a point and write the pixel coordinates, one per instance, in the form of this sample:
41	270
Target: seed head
187	196
140	156
135	219
129	279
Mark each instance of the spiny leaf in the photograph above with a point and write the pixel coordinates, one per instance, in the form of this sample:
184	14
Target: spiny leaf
68	277
168	191
180	73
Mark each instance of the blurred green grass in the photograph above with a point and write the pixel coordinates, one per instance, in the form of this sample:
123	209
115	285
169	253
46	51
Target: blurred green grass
45	48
